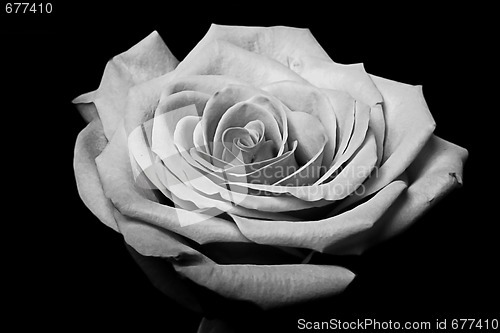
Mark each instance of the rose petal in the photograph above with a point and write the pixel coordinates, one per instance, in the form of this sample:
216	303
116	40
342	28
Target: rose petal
323	234
208	84
152	241
147	59
208	162
89	144
437	170
87	110
142	101
163	131
279	43
220	57
256	131
198	138
352	79
144	163
406	114
183	137
178	100
306	174
269	286
377	124
263	151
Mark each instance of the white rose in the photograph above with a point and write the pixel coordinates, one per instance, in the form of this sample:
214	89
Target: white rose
257	137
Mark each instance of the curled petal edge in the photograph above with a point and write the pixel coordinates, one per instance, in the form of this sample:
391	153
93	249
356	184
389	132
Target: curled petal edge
89	144
437	170
145	60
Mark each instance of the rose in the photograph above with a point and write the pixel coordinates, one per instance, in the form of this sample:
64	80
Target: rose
370	168
257	139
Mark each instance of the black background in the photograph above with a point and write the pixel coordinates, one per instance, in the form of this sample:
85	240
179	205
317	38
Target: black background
65	270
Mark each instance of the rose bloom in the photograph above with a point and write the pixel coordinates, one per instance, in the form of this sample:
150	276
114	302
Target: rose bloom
255	151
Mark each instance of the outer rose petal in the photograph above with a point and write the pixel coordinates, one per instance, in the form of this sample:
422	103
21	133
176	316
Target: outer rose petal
89	144
148	59
436	171
270	286
87	110
222	58
278	43
352	79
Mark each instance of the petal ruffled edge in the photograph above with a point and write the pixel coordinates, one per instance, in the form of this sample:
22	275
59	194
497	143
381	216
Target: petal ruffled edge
144	61
323	235
270	286
436	171
409	126
89	144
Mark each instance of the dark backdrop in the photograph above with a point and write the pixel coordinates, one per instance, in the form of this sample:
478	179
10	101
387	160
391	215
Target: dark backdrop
65	269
